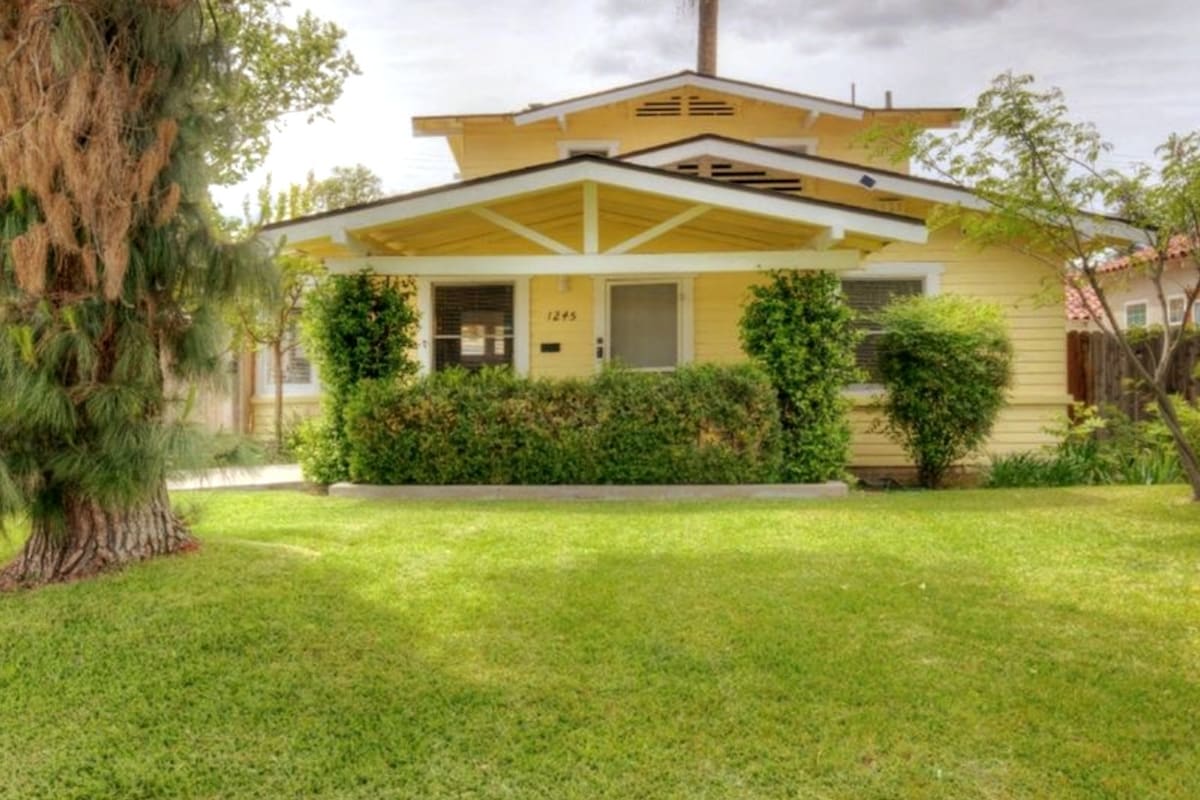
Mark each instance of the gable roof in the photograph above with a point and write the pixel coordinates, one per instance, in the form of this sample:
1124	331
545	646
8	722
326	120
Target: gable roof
679	80
1177	248
603	171
1081	303
753	91
848	173
804	164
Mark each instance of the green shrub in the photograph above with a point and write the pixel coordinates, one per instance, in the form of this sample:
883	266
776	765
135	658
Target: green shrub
320	451
945	363
800	331
1101	446
358	328
699	424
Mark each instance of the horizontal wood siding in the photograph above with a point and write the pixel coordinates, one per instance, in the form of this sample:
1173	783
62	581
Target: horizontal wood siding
295	409
562	314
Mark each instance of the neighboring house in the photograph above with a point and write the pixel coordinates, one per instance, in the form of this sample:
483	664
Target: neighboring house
1133	296
629	225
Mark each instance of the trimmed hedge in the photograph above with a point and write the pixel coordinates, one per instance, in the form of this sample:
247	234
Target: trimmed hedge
699	424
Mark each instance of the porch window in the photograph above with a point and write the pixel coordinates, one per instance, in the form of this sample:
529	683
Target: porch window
473	325
1135	315
299	373
644	324
866	297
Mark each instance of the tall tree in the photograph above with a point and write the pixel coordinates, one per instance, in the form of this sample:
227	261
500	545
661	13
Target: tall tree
110	273
1033	169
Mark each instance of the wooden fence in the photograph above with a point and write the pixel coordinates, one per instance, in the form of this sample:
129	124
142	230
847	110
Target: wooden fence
1099	373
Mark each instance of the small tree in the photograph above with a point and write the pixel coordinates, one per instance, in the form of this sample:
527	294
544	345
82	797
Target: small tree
1032	170
358	327
799	329
270	321
945	362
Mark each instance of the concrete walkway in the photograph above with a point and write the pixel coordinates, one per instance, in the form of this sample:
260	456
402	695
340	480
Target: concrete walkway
275	476
744	491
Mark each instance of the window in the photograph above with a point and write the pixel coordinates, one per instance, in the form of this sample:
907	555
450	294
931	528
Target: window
1175	307
570	148
1196	313
473	325
866	297
643	321
1135	315
299	373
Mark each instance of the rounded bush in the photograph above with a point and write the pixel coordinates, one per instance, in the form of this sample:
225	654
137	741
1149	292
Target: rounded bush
946	363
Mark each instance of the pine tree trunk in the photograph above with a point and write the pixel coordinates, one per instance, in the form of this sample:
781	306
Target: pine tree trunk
96	539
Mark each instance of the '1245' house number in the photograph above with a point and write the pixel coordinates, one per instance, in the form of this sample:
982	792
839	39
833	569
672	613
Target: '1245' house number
561	316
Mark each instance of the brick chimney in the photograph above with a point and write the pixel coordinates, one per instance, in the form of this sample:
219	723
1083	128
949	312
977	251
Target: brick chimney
706	50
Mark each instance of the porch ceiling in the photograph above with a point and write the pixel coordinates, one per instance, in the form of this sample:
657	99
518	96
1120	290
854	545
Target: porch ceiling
593	208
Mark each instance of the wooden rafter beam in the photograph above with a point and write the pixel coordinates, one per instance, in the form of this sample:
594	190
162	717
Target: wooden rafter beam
524	231
682	218
827	238
591	217
356	244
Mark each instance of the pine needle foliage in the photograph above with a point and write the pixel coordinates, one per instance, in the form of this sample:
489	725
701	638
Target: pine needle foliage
110	273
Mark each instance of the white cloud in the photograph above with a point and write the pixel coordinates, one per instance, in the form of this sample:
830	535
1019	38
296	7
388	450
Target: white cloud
1123	65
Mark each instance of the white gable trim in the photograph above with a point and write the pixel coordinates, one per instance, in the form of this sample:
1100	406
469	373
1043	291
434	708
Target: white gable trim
802	165
845	173
749	91
613	174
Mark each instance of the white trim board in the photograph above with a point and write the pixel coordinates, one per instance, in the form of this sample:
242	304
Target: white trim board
584	264
610	173
851	174
680	80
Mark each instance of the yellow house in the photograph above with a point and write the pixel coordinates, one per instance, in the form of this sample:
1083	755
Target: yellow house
628	224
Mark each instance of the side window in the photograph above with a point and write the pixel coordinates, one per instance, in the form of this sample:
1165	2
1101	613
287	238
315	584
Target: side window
1175	308
570	148
1135	315
299	373
867	297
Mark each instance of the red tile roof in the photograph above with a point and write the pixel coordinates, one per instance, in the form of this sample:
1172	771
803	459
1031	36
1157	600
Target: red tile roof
1179	246
1078	300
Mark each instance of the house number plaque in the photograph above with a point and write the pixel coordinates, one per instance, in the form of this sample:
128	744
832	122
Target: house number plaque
561	316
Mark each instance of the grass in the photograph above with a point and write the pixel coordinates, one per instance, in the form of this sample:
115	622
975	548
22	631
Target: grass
1003	644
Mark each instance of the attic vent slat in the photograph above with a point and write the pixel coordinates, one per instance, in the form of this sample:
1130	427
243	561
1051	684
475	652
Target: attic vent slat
689	105
747	175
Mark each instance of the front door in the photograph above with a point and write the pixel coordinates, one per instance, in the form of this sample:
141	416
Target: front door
644	324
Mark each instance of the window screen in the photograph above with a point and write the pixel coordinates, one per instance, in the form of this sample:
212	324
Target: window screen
473	325
865	298
644	322
1135	315
1175	307
298	372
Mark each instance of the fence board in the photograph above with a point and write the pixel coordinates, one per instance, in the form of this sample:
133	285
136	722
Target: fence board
1099	372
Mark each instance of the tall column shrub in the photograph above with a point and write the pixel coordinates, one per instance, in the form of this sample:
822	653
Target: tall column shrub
359	327
798	328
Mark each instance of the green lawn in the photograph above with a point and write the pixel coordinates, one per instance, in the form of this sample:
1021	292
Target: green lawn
1006	644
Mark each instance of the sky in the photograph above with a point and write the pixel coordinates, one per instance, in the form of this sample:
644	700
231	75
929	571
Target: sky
1130	67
